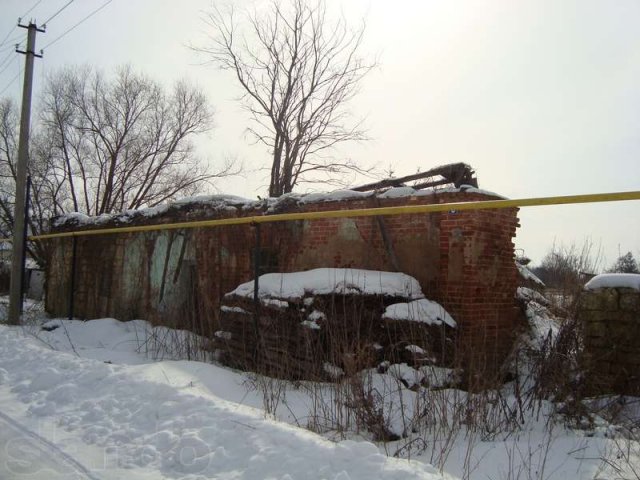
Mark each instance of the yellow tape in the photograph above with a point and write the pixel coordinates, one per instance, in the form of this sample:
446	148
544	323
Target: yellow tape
362	212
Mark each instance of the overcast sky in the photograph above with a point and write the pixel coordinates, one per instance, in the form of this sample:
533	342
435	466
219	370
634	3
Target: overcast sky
541	97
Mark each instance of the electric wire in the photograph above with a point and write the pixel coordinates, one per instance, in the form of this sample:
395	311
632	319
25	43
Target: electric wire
29	11
6	59
11	81
58	12
4	40
7	66
10	43
77	24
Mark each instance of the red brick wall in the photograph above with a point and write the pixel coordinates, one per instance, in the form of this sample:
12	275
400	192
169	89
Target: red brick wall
463	259
477	281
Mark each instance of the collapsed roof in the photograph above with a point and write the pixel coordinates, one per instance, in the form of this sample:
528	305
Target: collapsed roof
454	173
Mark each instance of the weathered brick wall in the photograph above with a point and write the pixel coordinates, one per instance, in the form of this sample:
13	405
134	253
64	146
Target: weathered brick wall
350	333
477	281
462	259
610	319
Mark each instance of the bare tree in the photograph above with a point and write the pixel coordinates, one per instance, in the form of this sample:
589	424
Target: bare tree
45	186
566	268
8	157
297	73
103	145
123	143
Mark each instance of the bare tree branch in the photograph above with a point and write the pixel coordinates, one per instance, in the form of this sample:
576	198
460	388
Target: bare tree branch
297	73
105	144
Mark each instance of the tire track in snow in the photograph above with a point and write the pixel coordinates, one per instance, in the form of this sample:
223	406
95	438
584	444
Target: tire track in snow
55	454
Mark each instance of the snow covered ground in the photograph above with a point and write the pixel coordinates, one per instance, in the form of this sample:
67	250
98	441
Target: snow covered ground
86	400
161	420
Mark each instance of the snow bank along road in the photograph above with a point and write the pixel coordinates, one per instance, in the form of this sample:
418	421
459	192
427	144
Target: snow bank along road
99	420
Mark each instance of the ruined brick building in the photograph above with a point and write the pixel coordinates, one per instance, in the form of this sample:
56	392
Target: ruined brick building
462	259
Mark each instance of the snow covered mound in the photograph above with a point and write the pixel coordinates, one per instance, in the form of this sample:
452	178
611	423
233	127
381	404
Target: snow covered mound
527	295
152	429
327	281
114	341
422	310
527	274
614	280
543	325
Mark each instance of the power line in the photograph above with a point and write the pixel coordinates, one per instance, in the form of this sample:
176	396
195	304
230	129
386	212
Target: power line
2	42
5	59
12	81
7	65
7	36
77	24
58	12
9	43
29	11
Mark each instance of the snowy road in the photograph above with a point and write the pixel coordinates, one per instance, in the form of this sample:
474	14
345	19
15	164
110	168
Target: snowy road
25	455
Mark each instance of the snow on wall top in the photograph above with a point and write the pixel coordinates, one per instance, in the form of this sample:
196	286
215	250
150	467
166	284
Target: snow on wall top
231	200
217	202
233	203
470	189
614	280
422	310
335	196
325	281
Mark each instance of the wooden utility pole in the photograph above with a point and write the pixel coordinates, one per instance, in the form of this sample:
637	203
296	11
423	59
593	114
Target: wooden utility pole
15	292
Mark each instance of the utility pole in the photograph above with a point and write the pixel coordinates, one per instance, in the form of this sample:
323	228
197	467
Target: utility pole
15	292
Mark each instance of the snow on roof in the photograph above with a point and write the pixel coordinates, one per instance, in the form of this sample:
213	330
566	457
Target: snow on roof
614	280
218	202
422	310
269	205
470	189
335	196
73	217
399	192
529	275
214	200
325	281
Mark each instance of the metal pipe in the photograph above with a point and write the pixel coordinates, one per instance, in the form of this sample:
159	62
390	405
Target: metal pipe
256	287
361	212
72	283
